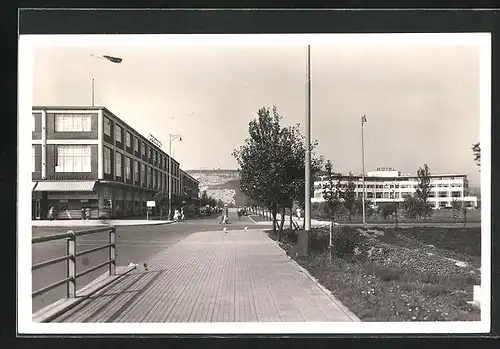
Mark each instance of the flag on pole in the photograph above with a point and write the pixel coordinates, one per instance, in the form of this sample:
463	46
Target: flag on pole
363	118
113	59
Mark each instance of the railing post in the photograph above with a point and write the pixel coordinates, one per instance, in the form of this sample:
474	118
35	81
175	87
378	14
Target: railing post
112	251
71	265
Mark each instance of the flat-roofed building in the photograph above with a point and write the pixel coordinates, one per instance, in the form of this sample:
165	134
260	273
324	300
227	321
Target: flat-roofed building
389	185
87	157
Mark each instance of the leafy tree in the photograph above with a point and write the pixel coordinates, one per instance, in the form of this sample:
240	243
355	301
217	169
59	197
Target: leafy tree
204	198
476	150
161	199
332	192
349	196
412	206
358	207
264	162
422	191
387	208
456	206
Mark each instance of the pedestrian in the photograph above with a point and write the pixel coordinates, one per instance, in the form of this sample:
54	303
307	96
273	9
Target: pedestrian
176	215
50	214
87	213
84	213
182	214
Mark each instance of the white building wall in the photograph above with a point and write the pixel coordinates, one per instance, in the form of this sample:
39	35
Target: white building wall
444	189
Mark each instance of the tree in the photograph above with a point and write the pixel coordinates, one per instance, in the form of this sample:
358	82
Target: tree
422	191
350	196
456	205
476	150
269	162
204	198
161	199
332	192
411	206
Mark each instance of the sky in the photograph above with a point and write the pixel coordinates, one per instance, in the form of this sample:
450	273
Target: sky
421	100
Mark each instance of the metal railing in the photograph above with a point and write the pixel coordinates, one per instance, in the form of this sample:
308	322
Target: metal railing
71	255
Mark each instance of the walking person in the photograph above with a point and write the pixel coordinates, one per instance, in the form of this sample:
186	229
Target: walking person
51	213
183	218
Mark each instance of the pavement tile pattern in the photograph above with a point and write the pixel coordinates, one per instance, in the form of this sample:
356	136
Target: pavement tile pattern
234	276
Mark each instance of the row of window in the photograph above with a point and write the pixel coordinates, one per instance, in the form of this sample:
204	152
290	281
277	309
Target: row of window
139	147
65	122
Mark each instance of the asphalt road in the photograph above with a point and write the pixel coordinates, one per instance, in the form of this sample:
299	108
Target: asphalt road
133	244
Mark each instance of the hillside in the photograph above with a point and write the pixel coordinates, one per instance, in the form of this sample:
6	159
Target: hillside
220	184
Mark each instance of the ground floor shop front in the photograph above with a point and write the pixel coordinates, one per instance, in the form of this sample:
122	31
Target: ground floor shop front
90	200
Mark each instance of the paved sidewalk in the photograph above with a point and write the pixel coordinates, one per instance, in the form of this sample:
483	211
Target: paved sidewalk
95	222
238	276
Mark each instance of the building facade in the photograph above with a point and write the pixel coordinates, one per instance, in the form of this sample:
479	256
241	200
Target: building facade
389	185
87	157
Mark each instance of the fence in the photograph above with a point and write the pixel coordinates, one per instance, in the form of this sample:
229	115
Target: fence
71	255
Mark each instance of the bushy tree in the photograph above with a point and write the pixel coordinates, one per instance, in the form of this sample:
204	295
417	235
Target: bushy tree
387	208
456	206
161	199
422	191
332	192
349	196
272	163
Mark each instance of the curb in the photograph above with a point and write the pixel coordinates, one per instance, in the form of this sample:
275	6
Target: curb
99	224
327	292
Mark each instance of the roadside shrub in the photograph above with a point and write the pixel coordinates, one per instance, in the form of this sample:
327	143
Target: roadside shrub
348	244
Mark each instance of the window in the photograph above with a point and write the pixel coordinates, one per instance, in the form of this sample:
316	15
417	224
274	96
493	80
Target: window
128	140
149	175
136	144
136	170
396	195
107	126
118	164
143	174
72	123
107	160
455	194
33	122
386	195
143	149
378	195
154	178
156	157
443	194
33	161
118	134
128	169
73	158
432	194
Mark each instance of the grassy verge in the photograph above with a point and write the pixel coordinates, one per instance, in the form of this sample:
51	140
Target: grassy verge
398	277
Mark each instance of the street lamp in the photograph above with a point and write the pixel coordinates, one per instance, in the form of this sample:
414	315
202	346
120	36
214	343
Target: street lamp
303	236
171	137
116	60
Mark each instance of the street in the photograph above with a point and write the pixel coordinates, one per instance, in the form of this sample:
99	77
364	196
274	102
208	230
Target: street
133	244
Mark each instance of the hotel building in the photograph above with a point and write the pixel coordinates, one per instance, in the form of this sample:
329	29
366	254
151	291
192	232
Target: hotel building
389	185
87	157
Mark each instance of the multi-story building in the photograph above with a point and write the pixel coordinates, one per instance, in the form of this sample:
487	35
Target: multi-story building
87	157
389	185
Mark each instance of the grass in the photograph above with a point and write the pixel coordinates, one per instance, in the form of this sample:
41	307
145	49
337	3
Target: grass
422	290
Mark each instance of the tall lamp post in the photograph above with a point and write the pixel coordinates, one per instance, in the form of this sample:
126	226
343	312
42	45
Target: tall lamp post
303	236
171	137
363	120
116	60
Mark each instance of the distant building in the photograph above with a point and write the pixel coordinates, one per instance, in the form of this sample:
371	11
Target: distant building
389	185
87	157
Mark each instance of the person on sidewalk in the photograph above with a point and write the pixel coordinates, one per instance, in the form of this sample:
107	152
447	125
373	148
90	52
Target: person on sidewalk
51	213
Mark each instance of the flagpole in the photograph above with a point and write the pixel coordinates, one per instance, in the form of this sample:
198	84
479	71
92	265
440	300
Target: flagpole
363	167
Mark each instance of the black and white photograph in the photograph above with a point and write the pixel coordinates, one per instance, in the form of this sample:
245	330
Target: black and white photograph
291	183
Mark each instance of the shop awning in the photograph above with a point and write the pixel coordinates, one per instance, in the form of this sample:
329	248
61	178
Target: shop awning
65	186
